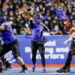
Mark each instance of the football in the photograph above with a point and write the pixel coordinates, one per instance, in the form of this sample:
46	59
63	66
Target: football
68	26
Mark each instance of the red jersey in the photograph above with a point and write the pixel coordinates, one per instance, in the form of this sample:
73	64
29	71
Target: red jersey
72	30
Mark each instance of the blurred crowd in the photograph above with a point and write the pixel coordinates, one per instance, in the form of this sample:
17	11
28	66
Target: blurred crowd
56	14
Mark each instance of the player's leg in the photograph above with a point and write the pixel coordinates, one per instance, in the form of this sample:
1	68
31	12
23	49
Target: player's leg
6	62
68	61
0	65
34	59
66	67
0	57
42	53
34	51
21	62
70	55
3	50
16	54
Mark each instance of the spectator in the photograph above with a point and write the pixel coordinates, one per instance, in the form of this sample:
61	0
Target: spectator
22	32
0	4
59	13
69	11
64	16
55	12
47	15
52	12
14	31
56	31
54	23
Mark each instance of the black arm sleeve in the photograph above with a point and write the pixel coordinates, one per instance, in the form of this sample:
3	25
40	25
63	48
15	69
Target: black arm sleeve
31	24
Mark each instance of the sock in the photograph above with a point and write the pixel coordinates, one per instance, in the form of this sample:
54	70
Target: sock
34	65
24	67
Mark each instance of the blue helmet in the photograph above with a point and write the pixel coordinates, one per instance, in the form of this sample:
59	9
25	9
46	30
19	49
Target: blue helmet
37	18
1	19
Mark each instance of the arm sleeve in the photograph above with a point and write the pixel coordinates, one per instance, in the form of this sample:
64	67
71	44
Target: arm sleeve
31	24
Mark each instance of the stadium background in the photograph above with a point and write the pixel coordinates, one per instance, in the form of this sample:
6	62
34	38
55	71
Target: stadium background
56	14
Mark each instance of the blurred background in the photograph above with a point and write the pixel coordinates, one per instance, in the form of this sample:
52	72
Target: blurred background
57	14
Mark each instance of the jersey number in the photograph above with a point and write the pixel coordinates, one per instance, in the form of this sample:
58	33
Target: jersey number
39	33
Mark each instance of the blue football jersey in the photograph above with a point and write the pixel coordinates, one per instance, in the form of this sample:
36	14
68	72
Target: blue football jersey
37	32
7	35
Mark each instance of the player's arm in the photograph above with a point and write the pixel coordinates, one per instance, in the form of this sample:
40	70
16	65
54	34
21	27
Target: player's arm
68	40
3	28
31	23
45	27
27	30
28	27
